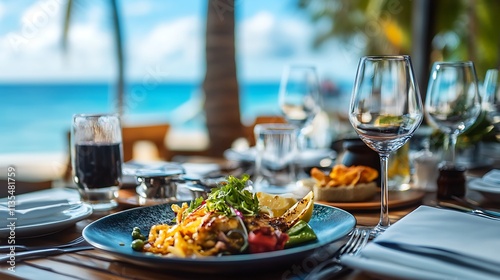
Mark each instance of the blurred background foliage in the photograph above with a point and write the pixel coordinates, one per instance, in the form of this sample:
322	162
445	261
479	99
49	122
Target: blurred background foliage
457	30
460	29
372	27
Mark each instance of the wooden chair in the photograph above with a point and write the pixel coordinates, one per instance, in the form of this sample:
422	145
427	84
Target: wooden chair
258	120
155	134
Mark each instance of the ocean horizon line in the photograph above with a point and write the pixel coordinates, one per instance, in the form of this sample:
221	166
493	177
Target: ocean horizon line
133	82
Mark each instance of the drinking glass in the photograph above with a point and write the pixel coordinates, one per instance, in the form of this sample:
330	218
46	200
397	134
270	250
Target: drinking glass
385	111
491	99
97	157
298	98
275	162
453	103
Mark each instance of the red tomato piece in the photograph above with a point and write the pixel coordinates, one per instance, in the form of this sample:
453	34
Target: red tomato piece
264	241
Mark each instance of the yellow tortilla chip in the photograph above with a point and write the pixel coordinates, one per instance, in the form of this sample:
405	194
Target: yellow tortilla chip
342	175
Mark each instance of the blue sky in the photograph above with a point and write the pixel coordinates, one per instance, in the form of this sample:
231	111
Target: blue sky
162	38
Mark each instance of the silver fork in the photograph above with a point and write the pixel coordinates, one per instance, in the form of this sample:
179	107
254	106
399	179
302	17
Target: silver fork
359	238
43	253
22	248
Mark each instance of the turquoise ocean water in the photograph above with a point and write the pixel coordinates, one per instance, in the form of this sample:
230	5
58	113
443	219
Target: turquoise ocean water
36	117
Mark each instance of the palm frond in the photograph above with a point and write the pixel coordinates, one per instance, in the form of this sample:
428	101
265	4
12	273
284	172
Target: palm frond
66	24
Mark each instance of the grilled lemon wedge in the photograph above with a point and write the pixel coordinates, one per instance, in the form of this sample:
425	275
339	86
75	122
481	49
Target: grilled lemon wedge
301	210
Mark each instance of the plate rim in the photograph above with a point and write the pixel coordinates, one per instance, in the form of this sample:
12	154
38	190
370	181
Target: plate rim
249	154
23	230
417	195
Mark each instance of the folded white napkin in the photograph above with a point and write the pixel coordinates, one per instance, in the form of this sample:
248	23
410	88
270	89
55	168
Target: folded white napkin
432	243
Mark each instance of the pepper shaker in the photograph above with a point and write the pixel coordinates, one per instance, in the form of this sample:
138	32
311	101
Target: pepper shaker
451	182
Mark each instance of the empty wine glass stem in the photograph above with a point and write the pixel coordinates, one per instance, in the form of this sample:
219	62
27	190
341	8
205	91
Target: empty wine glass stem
303	136
301	140
384	222
450	148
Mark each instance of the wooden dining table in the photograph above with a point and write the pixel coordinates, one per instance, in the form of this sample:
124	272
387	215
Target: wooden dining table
98	264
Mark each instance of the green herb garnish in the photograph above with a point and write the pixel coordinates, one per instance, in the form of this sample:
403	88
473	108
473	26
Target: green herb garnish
195	204
192	206
231	199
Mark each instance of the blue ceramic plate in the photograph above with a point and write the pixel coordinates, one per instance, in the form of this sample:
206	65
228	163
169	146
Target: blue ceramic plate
113	234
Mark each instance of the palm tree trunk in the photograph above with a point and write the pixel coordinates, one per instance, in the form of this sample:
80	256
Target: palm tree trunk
220	84
120	87
472	34
423	22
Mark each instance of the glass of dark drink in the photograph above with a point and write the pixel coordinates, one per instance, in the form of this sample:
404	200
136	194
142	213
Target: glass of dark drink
97	159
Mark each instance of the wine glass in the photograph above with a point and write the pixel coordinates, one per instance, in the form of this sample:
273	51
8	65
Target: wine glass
491	99
452	103
385	111
298	98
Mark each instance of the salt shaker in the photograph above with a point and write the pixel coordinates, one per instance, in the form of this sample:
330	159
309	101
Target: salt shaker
426	173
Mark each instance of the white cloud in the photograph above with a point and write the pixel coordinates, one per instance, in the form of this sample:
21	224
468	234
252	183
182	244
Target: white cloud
33	50
180	38
266	35
267	42
256	34
174	46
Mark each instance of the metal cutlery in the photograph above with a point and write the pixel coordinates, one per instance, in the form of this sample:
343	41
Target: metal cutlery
326	270
22	248
42	253
461	208
476	207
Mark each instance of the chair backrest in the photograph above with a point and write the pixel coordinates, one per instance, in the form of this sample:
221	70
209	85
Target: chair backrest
258	120
155	134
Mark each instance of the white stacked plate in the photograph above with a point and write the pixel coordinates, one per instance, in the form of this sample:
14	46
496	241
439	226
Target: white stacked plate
41	212
488	186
